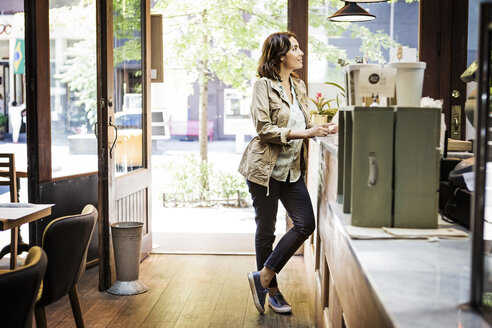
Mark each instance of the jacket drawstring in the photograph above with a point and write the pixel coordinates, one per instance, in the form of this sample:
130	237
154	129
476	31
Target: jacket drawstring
268	182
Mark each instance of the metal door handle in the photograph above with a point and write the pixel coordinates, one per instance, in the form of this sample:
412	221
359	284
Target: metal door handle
373	170
456	123
115	137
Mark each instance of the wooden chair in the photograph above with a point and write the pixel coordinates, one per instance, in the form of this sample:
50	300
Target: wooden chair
8	175
65	241
20	288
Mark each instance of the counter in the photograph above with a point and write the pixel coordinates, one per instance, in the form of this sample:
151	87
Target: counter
379	283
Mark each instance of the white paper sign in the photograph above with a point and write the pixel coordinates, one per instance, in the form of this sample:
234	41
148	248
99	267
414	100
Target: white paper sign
377	81
408	55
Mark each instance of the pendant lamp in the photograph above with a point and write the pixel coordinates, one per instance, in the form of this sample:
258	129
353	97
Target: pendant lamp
366	1
351	12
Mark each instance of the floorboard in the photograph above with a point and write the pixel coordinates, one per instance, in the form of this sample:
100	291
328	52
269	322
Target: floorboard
233	298
189	291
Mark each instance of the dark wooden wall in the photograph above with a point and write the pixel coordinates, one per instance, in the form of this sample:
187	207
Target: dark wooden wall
298	23
443	35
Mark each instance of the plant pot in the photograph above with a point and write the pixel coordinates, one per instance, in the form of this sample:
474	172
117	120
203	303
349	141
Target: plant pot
319	118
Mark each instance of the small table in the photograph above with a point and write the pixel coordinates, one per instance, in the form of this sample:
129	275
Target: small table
13	215
21	246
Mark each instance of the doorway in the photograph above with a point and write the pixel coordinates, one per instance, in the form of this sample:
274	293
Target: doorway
201	204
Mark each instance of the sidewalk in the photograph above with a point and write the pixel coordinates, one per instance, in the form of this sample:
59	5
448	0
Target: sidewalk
207	230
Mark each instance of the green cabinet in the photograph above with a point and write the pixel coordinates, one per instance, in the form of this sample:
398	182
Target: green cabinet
416	167
372	156
389	166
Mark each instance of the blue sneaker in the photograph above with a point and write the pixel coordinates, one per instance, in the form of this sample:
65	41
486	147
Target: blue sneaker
279	304
259	293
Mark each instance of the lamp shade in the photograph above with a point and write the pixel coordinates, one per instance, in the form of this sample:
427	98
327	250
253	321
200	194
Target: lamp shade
351	12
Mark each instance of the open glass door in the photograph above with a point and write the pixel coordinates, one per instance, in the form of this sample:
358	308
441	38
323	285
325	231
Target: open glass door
123	122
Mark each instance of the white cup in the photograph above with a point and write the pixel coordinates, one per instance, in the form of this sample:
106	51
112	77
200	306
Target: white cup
409	83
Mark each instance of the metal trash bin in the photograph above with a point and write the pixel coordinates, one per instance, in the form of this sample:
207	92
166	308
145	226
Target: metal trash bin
127	240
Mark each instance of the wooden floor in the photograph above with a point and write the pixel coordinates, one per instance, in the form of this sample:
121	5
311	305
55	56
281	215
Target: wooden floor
189	291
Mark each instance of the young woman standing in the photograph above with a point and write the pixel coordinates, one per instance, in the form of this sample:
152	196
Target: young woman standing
274	162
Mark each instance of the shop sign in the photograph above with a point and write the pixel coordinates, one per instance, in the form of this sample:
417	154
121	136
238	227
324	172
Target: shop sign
5	29
11	26
19	58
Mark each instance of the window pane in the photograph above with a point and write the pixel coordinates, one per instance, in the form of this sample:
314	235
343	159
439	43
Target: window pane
128	82
473	6
472	55
12	83
13	88
374	41
73	86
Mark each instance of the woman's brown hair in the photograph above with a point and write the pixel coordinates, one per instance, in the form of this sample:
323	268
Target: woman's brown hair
274	48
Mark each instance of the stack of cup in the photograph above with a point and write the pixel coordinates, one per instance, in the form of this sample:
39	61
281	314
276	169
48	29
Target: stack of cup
409	83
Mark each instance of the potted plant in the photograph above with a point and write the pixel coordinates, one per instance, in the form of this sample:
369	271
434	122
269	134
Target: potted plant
324	110
341	93
3	125
320	115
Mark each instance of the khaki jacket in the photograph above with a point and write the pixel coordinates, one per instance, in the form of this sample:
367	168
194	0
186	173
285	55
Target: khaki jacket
270	112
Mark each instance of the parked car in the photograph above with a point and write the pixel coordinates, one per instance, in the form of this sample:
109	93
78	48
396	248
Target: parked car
129	119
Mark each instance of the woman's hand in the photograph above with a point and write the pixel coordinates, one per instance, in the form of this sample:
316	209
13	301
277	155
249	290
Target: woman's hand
322	130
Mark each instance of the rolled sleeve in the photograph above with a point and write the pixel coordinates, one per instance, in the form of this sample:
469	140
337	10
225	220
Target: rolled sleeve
284	133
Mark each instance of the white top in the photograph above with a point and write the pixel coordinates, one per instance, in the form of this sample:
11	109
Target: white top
287	156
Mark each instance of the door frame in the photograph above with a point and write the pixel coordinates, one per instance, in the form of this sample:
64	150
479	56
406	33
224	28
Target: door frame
443	28
38	101
112	188
104	32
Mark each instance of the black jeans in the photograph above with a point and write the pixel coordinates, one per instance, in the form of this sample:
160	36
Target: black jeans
295	198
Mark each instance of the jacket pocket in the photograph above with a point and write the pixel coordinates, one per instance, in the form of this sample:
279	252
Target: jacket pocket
258	156
258	148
